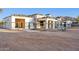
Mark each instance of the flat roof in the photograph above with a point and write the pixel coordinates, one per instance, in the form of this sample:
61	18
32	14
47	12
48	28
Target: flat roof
22	15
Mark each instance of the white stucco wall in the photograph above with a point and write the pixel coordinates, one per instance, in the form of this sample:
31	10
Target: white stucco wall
27	20
11	21
39	16
52	19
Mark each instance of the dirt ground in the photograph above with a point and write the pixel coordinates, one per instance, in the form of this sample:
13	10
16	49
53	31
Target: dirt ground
39	41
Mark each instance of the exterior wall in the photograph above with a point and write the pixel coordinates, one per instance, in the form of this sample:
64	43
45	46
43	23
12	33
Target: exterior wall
39	16
7	23
51	19
27	21
35	17
46	21
59	22
35	20
68	24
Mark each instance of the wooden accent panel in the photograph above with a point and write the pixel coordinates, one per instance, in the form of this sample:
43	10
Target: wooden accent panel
20	23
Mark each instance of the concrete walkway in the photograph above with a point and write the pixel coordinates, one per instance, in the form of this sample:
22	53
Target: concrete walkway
6	30
68	30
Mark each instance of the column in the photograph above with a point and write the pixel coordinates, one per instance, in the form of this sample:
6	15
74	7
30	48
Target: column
53	24
46	24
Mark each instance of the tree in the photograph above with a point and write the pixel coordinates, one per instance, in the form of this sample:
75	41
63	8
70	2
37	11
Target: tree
77	19
2	23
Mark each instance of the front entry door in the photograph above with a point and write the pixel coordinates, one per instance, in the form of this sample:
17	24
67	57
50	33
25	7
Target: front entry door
20	23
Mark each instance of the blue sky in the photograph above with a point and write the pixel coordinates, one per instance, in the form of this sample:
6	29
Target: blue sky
53	11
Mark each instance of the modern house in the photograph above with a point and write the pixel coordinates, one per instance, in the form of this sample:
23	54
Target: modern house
63	22
26	22
17	21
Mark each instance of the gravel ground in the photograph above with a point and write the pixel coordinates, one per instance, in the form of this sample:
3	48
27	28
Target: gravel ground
39	41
